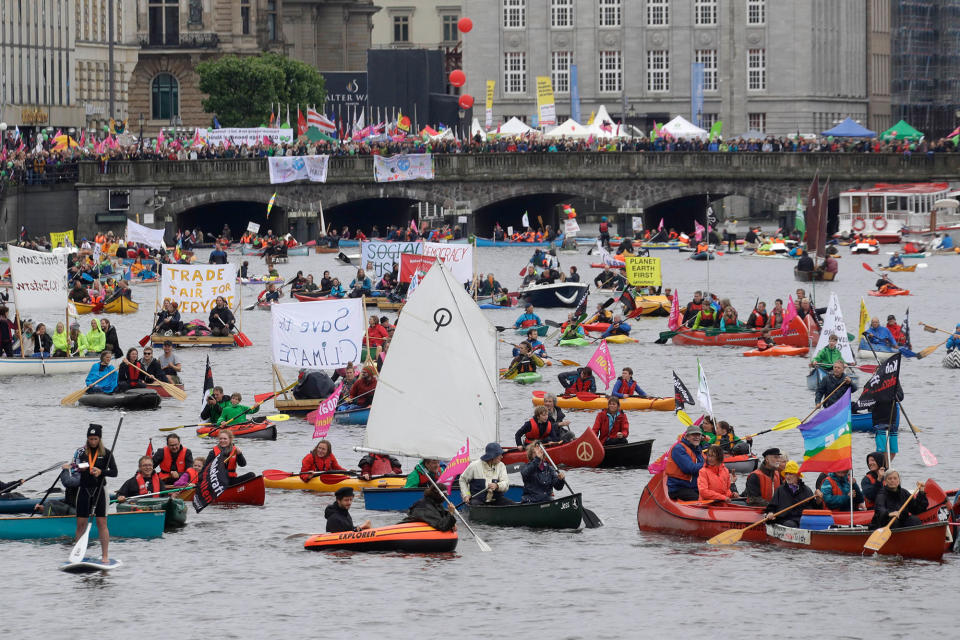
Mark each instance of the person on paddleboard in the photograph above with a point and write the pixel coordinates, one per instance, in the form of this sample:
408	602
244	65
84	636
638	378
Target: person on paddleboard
95	464
338	514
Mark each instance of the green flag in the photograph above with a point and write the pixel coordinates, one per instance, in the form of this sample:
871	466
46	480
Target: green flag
799	223
715	130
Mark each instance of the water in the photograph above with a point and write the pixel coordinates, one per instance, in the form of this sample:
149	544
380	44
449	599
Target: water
233	571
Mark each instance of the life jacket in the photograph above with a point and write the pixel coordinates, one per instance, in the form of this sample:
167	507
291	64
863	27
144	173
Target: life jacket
604	227
193	475
866	501
142	484
673	235
536	433
381	465
133	374
767	484
673	469
759	319
168	463
529	322
627	388
706	313
231	460
423	480
579	385
526	365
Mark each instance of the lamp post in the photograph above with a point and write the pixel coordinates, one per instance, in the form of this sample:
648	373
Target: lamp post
462	114
3	135
140	121
631	119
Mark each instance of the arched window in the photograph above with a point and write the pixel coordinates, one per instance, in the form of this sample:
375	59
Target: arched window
165	97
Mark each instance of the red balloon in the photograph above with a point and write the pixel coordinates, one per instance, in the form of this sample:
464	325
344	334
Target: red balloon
465	25
466	101
458	78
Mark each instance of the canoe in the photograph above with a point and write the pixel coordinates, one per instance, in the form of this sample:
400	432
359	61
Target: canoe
900	267
923	542
542	330
401	499
490	242
704	255
559	513
330	483
163	393
174	509
409	537
585	451
599	402
811	276
252	430
84	308
879	348
528	378
260	280
45	366
575	342
135	524
633	455
352	416
249	492
299	250
864	248
952	360
18	505
741	465
194	341
895	292
778	350
132	400
818	373
796	336
306	297
122	305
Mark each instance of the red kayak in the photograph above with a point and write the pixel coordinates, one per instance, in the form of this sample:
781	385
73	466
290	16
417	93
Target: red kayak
585	451
305	297
924	542
250	492
895	292
256	430
797	336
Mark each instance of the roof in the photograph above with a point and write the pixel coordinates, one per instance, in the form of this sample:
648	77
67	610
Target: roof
849	128
908	189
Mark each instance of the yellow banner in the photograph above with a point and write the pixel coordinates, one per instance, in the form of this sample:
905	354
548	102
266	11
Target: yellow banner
64	238
643	272
864	319
546	109
491	84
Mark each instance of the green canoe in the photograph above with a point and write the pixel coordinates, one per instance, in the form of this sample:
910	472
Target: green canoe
134	524
561	513
174	508
528	378
541	330
574	342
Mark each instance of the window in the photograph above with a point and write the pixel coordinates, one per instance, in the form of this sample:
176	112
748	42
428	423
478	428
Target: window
560	71
401	28
757	69
658	71
515	72
450	31
165	97
514	14
164	22
609	13
658	13
756	11
245	17
611	72
272	20
561	14
757	121
707	120
705	12
708	57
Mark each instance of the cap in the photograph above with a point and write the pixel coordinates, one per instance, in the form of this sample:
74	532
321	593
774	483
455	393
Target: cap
344	492
772	452
792	467
95	430
693	430
492	451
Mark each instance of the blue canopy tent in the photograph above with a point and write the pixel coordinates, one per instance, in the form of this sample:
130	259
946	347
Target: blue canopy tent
849	129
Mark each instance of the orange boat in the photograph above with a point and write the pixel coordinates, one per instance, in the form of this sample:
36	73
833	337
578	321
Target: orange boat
595	401
797	336
161	390
254	430
411	537
779	350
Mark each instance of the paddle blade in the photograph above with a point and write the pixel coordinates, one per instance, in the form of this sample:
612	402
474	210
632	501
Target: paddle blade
591	520
928	328
71	399
569	363
144	340
868	267
480	543
877	539
785	425
80	548
280	417
868	368
684	418
730	536
923	354
260	398
927	456
277	474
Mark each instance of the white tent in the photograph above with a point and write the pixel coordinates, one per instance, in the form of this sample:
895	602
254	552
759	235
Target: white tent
569	129
476	129
682	128
514	127
603	126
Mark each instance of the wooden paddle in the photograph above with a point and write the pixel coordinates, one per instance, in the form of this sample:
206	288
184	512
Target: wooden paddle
27	479
80	548
184	426
480	543
173	390
880	537
733	536
926	352
76	395
590	519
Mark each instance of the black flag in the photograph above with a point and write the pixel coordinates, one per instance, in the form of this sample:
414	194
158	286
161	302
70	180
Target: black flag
884	385
207	383
213	481
681	395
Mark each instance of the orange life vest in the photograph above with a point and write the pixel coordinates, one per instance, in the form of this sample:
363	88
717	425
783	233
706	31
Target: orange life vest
535	433
142	484
193	475
231	460
168	463
673	469
767	484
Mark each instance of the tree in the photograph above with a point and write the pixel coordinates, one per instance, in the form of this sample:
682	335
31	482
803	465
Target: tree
241	90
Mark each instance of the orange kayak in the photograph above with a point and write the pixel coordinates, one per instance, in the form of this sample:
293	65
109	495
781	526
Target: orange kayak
895	292
585	400
415	537
778	350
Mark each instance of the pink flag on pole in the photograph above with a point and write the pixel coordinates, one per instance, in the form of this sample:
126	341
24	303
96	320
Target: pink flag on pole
459	463
160	139
661	225
789	315
699	230
413	225
602	364
322	416
673	322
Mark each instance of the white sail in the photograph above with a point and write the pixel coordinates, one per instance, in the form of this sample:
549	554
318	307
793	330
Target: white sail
833	324
438	386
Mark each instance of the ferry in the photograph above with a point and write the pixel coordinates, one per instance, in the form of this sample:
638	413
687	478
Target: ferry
889	211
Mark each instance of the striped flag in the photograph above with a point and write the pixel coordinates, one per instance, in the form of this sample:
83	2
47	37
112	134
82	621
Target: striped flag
826	438
320	121
273	199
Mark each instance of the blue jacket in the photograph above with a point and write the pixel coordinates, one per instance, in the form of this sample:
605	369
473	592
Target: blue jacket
363	284
528	316
953	342
108	384
537	348
679	455
895	261
539	481
622	328
881	335
840	500
618	385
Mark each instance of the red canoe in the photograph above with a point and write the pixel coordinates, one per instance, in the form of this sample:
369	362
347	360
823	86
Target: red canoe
255	430
925	542
302	297
250	492
797	336
585	451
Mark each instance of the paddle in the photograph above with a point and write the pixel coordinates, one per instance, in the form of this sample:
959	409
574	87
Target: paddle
173	390
879	537
925	352
590	519
151	495
277	474
733	536
684	418
184	426
931	329
76	395
260	398
783	425
39	473
867	267
257	301
80	548
278	417
46	495
480	543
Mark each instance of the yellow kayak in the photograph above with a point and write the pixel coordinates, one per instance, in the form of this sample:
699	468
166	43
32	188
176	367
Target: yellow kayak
320	484
618	339
596	401
900	267
652	306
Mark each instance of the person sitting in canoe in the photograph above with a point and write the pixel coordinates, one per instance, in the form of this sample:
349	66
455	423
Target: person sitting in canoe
96	338
418	477
361	391
836	490
485	480
143	482
873	480
320	458
221	318
578	381
235	413
130	377
527	319
191	475
524	362
270	294
792	491
775	320
433	510
173	460
728	319
706	318
953	342
765	341
708	429
683	466
232	457
78	293
764	480
829	354
378	464
611	425
879	335
626	386
885	286
896	331
693	308
828	390
609	279
376	334
215	403
556	416
313	385
758	317
896	260
891	498
713	481
100	369
617	328
338	513
728	441
152	366
537	429
539	477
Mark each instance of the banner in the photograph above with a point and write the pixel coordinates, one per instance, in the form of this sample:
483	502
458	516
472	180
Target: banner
488	113
291	168
546	108
636	224
602	364
884	385
570	227
833	324
827	442
673	322
703	390
606	257
326	334
457	257
253	227
403	167
249	136
643	272
39	280
378	258
412	264
195	288
213	481
457	466
681	395
322	416
574	94
696	93
864	319
145	235
64	238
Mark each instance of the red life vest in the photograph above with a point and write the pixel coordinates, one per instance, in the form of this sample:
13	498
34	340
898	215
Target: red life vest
142	484
872	479
132	374
604	227
758	319
579	385
706	313
627	388
767	484
673	469
381	465
231	460
168	463
535	432
193	475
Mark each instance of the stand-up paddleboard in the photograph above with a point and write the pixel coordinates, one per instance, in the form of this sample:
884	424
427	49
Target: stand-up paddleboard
89	565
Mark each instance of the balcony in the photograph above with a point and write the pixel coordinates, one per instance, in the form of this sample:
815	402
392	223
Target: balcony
179	42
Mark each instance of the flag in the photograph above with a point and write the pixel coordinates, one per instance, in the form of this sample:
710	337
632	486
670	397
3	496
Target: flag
703	390
593	114
198	140
207	383
320	121
160	139
660	228
813	210
826	438
602	364
359	124
883	385
698	230
457	465
798	222
525	220
149	448
413	225
864	319
681	395
213	481
272	119
673	322
403	122
83	137
322	416
906	328
301	122
715	130
273	199
788	316
176	258
216	123
580	313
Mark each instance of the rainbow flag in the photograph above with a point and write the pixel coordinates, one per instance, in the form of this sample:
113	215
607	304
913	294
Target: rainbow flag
827	441
273	199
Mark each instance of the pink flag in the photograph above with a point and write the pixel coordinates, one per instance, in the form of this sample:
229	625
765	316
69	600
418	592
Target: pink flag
160	139
58	133
460	462
661	225
83	137
266	140
602	364
322	416
413	225
673	322
699	230
789	315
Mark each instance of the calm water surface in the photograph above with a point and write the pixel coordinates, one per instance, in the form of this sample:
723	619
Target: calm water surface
235	573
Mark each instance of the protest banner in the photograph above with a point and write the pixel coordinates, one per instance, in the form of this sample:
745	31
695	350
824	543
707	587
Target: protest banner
291	168
457	257
602	363
643	272
402	167
245	135
39	280
253	227
546	107
326	334
62	238
322	416
378	258
412	264
195	288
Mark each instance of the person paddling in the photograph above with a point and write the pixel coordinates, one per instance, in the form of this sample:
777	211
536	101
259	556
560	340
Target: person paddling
485	480
234	413
418	477
99	370
232	457
338	514
611	426
539	478
98	465
320	458
791	492
528	319
683	466
626	386
891	499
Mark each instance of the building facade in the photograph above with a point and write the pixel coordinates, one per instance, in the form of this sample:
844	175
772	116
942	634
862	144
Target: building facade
879	36
777	67
420	24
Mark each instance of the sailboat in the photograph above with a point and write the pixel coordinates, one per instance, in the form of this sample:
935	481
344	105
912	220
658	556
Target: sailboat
816	224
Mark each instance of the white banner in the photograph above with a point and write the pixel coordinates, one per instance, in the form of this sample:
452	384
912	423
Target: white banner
457	257
290	168
144	235
253	227
833	324
39	280
326	334
238	136
196	287
570	227
403	167
378	258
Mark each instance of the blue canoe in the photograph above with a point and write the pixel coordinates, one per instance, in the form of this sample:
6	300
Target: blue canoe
135	524
352	416
400	499
18	505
